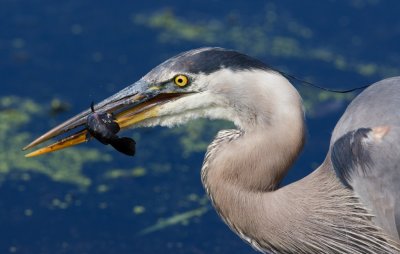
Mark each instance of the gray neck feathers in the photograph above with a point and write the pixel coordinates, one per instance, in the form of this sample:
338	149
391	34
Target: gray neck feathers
314	215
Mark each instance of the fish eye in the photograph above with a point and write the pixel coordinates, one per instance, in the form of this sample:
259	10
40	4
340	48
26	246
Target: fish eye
181	80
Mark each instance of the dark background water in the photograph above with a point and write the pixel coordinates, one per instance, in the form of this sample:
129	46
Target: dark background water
75	52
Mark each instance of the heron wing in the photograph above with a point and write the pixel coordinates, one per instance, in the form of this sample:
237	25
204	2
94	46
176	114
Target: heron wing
370	165
368	161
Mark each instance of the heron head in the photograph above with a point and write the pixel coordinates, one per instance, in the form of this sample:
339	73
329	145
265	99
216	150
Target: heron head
205	82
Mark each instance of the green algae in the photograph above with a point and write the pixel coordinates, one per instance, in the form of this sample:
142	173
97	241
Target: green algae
178	29
312	100
269	34
196	135
178	219
138	209
102	188
16	116
124	173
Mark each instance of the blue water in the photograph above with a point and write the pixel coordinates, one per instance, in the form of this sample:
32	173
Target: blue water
84	51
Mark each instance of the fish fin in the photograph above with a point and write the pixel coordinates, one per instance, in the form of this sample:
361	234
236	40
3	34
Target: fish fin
124	145
92	106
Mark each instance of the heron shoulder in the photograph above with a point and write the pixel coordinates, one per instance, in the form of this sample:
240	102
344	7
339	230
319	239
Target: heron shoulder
367	161
377	105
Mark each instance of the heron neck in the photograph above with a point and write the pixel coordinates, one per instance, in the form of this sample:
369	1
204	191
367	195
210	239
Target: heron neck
313	215
257	158
241	174
243	169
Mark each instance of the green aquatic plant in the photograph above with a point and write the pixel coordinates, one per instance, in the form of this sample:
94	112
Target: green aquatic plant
179	29
269	34
196	135
178	219
254	39
16	116
124	173
138	209
312	100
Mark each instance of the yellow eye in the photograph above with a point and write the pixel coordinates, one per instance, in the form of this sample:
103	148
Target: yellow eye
181	80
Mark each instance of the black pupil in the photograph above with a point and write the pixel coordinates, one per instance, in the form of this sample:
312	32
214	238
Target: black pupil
180	80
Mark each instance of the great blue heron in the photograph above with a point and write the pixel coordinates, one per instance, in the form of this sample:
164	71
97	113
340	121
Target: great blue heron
349	204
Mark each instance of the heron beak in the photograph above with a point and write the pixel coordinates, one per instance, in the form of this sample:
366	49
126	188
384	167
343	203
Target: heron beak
134	104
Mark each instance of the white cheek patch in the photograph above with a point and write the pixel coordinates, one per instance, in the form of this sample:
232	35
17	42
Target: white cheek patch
182	110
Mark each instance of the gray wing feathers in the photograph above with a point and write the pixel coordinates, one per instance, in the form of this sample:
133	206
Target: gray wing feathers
367	159
349	154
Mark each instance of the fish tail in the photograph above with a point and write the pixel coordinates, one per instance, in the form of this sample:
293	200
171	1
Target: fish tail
124	145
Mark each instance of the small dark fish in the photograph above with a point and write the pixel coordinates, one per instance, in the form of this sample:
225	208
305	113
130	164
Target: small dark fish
103	127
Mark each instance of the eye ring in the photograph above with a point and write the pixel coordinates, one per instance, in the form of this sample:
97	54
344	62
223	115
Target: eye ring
181	80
